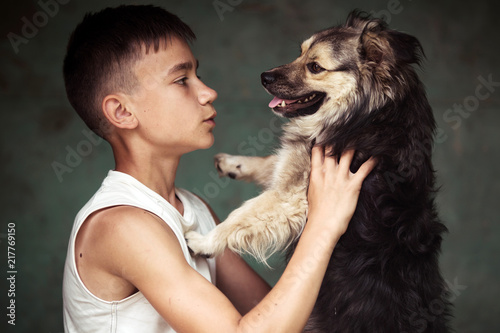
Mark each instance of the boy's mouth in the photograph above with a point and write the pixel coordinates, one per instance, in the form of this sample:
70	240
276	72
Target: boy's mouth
211	119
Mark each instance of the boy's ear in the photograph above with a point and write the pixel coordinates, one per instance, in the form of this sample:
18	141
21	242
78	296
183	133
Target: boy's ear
116	111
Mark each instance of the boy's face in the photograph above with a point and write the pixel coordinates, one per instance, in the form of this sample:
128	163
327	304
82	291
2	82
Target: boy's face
173	106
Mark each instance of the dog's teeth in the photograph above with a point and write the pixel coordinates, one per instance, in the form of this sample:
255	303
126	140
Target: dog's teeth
299	101
306	100
283	104
313	95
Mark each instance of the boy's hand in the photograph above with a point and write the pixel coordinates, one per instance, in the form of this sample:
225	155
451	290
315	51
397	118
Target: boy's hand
333	189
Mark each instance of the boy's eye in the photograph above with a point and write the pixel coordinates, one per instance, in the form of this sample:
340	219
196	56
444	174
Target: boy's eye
181	81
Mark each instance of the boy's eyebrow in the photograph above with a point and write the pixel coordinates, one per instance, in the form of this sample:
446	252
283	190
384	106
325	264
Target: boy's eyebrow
182	66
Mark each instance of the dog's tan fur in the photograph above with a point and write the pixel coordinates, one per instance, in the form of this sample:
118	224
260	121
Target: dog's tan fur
268	222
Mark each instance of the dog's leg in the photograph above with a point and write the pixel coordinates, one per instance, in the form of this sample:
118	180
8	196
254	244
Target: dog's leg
268	222
247	168
260	227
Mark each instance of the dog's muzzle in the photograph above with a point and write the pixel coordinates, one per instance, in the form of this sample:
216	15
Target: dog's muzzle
287	105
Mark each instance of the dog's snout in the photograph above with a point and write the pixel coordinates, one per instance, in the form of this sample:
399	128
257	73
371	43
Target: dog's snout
267	78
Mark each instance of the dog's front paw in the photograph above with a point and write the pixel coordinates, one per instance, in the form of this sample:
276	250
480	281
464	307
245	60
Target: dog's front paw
198	244
228	165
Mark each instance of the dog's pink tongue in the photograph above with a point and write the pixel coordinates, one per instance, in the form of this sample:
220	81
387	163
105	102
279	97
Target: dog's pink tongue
277	101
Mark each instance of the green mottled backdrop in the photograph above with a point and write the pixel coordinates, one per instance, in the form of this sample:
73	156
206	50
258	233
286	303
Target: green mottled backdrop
237	40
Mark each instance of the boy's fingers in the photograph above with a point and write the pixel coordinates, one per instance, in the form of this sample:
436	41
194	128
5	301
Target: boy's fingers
365	169
329	151
316	156
346	159
329	161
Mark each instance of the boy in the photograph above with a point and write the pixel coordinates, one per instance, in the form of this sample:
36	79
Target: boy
131	76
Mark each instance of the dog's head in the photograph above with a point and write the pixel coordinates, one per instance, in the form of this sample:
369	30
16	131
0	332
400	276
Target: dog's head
359	65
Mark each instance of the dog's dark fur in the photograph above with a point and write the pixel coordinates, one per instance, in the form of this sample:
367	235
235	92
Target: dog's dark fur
384	274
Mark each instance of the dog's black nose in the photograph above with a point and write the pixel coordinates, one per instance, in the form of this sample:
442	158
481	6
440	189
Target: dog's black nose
267	78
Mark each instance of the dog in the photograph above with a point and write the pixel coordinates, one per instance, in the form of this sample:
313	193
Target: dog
354	86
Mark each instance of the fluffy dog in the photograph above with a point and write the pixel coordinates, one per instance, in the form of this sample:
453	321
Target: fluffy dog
352	87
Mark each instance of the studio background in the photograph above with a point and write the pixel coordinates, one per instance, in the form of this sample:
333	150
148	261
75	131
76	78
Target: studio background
43	187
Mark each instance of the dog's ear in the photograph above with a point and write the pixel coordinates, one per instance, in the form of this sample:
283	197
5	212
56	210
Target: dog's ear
378	43
406	48
373	44
377	62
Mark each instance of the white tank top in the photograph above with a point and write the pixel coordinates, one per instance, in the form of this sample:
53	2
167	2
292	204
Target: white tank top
85	312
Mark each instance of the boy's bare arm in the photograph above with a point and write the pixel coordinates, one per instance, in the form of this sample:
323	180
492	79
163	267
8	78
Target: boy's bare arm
237	280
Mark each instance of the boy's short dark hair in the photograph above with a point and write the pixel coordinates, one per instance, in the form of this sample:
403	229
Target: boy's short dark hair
103	49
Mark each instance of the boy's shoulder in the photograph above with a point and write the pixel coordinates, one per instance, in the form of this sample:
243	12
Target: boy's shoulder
129	237
122	223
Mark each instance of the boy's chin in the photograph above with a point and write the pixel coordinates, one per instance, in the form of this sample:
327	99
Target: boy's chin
210	143
207	142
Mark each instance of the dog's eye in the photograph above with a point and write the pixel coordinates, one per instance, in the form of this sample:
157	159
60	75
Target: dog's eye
314	68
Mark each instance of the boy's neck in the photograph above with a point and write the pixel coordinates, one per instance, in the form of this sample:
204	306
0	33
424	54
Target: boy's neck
157	173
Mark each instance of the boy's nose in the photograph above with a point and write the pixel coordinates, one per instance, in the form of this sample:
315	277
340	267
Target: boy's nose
207	95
